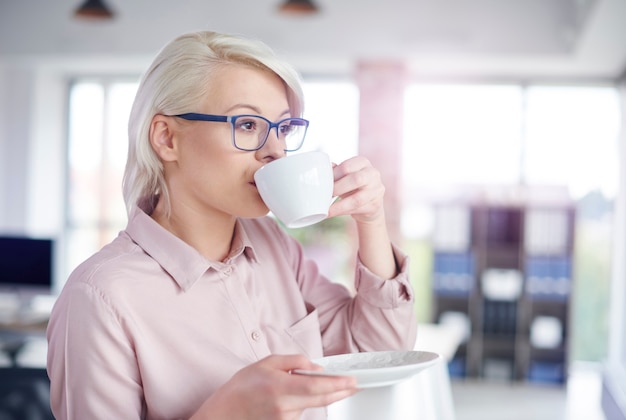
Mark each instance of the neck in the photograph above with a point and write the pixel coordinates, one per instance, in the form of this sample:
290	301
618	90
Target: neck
209	234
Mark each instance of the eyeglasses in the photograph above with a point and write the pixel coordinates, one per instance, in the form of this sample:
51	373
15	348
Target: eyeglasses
250	132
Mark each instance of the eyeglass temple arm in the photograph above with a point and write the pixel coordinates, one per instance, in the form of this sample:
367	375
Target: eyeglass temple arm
192	116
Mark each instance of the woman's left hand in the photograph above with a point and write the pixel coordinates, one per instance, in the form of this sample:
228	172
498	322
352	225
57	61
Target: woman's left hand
359	189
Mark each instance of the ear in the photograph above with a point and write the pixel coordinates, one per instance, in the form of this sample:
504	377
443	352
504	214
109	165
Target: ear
162	138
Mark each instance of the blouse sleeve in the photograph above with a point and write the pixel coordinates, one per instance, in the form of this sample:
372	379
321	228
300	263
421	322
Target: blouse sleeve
90	360
380	316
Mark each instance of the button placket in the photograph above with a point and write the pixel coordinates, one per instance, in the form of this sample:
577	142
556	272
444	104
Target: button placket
243	306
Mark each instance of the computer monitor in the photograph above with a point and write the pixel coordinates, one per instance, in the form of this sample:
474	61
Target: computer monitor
26	263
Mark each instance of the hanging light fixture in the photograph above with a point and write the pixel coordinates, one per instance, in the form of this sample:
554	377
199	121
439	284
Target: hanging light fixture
93	9
298	7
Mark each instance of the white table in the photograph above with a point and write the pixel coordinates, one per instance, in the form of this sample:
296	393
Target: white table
425	396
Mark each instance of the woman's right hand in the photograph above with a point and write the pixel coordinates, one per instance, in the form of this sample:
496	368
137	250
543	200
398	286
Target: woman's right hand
266	390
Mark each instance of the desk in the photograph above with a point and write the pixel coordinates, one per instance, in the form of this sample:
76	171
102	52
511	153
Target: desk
23	329
24	345
425	396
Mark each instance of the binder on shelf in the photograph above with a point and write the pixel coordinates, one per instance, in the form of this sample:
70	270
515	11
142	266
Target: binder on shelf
456	367
548	277
546	371
499	318
453	274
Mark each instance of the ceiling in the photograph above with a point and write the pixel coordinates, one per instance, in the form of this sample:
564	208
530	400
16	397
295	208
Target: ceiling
523	39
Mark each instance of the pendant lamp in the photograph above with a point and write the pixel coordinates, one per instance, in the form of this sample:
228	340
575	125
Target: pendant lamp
298	7
93	9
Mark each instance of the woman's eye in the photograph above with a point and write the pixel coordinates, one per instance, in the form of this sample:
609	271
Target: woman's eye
286	129
247	125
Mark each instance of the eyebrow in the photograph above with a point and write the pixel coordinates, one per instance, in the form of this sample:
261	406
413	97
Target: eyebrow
254	109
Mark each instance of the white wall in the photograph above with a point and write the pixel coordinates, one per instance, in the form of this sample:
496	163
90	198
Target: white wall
16	105
32	140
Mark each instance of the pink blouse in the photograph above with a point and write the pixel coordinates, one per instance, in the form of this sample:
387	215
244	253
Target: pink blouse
147	328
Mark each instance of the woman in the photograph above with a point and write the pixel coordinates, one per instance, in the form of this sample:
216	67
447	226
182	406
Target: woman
203	306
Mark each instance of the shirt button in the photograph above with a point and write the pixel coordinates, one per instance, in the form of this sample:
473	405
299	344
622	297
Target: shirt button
256	335
228	271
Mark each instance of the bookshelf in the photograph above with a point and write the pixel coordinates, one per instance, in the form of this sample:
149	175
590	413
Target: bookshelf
502	270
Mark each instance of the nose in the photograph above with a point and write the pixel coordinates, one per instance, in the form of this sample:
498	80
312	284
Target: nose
273	148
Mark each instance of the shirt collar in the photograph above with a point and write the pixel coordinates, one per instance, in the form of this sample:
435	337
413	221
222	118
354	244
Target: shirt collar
180	260
242	243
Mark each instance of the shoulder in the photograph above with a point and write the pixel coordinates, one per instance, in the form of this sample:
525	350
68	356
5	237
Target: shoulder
112	265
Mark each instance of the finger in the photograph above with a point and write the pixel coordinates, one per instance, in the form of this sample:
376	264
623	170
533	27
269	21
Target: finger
316	368
322	384
289	362
324	400
351	166
359	202
366	178
317	391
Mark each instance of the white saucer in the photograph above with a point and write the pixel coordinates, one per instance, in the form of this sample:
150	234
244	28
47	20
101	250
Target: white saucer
374	369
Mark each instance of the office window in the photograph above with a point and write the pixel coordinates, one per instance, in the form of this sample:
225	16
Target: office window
571	138
508	134
97	149
461	134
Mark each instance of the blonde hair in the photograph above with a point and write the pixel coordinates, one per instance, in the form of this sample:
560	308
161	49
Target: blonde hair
176	82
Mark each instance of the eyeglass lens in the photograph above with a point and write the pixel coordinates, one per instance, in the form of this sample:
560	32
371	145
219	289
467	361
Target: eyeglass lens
251	132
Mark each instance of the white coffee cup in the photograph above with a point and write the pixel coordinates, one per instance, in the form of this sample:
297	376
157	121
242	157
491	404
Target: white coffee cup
297	188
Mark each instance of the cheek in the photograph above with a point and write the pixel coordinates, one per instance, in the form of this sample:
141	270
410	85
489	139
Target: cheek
202	155
217	173
208	172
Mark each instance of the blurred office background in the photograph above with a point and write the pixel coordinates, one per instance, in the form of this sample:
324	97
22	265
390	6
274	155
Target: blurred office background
497	127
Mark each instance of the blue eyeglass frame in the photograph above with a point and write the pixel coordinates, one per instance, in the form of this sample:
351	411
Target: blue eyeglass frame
195	116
